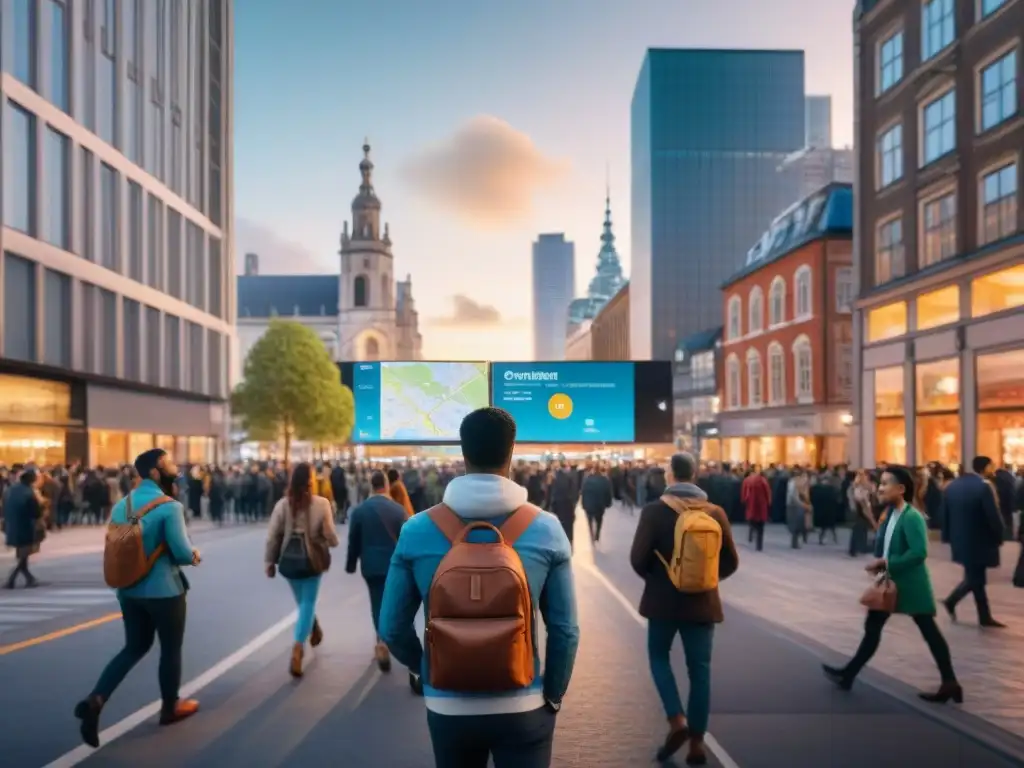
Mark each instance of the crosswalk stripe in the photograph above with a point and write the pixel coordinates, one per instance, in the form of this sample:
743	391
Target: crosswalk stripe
43	600
8	620
11	610
105	592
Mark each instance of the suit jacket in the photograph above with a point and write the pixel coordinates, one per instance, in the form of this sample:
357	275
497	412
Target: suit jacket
908	552
971	522
373	530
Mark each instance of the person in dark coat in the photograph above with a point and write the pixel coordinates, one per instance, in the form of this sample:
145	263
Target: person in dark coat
562	498
218	495
595	497
22	512
339	487
973	527
1006	493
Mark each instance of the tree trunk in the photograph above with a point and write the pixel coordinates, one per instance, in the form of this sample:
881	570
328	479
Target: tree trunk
287	445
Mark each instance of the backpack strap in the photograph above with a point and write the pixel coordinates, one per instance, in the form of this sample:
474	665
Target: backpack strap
161	548
444	517
517	523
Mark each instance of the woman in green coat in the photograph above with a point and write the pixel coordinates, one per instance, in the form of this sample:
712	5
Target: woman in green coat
901	548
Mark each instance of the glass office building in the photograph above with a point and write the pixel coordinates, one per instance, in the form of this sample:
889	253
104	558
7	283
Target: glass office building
709	130
116	247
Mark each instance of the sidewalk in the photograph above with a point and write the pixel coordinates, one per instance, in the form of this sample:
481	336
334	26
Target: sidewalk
82	540
814	592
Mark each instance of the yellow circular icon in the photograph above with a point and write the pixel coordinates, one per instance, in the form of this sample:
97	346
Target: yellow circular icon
560	406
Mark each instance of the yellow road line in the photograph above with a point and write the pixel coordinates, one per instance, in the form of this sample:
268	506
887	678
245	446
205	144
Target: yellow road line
51	636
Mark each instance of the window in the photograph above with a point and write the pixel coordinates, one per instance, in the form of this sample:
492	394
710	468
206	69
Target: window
802	369
777	302
988	7
172	352
889	255
844	372
938	308
214	356
24	33
57	319
155	246
174	253
938	229
135	221
108	332
195	243
360	298
20	169
802	288
999	91
195	357
732	382
887	322
999	204
938	127
735	321
133	141
20	322
88	218
215	272
110	255
57	178
85	58
844	289
776	374
90	327
153	360
890	62
998	291
132	340
890	154
938	386
57	87
890	425
107	78
755	391
937	27
756	309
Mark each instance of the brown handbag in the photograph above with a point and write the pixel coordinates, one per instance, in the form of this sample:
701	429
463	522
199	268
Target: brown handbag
880	596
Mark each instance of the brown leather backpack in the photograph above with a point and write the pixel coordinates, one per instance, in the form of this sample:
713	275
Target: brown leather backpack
125	563
479	632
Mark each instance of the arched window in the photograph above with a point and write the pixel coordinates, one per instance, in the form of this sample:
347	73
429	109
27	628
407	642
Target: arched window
755	378
755	308
777	302
802	289
360	293
803	370
385	291
735	321
732	382
776	374
371	349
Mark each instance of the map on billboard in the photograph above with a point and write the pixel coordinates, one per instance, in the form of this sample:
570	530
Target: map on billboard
428	401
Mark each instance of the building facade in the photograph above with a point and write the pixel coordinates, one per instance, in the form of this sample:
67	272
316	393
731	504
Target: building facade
788	376
939	319
554	285
818	122
360	313
709	130
606	282
812	168
695	394
609	331
580	343
117	251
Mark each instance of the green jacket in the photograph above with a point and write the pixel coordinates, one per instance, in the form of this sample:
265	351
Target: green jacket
906	565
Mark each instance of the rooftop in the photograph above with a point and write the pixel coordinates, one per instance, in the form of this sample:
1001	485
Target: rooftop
267	296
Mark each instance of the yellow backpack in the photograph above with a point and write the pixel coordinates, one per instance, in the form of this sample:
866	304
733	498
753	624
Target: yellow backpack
697	548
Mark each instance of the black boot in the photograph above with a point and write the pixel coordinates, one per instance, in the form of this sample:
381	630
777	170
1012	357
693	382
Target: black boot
88	712
838	676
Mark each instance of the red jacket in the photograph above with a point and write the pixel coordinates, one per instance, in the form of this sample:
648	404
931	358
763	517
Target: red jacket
756	496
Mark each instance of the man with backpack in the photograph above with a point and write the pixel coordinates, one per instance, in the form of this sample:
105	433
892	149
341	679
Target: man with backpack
146	546
682	548
483	563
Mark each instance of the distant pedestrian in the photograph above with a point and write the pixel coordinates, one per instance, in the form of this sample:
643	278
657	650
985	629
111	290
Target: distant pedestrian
23	516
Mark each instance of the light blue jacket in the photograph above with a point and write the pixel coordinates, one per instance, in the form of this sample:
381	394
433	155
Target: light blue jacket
164	524
547	559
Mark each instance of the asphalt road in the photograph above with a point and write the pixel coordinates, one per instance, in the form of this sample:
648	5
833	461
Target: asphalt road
771	706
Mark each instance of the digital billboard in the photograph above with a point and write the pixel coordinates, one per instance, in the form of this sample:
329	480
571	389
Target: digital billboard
409	403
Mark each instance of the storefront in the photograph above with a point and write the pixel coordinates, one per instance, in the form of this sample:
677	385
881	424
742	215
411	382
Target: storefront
796	438
41	421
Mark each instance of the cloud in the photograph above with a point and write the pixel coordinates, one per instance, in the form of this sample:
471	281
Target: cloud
487	173
468	313
277	256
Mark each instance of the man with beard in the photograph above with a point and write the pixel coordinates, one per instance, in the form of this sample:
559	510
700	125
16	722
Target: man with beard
154	606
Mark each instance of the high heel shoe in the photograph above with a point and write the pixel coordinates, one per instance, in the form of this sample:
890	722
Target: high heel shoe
946	692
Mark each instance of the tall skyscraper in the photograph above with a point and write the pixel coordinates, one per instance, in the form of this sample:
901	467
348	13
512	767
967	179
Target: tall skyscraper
118	263
709	131
554	282
818	122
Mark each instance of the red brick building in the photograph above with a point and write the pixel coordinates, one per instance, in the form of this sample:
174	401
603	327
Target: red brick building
787	353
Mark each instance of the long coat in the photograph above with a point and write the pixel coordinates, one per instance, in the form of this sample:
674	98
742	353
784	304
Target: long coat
908	552
21	513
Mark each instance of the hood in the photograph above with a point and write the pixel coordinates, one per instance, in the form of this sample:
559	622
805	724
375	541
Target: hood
686	491
483	496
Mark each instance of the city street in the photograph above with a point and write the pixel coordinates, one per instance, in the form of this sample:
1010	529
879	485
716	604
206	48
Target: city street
771	706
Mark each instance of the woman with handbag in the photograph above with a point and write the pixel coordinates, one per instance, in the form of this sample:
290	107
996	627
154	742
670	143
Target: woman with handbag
903	586
299	539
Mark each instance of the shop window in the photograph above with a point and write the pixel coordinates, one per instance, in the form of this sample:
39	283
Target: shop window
938	386
891	441
998	291
889	391
31	444
734	450
711	450
107	449
138	443
34	401
938	308
938	438
1000	380
888	322
165	443
199	450
1001	436
938	406
801	451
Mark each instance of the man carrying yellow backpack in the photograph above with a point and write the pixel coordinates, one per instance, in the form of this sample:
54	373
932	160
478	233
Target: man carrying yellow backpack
682	548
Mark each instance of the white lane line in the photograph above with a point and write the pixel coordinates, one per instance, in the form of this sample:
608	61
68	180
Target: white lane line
218	670
584	557
16	602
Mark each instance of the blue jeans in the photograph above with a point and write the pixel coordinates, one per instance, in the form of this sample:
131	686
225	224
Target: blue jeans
697	643
305	591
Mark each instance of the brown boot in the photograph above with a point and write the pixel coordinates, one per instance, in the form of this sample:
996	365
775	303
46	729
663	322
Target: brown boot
678	734
383	657
183	709
296	664
697	754
317	635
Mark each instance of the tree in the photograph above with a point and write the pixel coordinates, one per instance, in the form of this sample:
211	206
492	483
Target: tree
292	389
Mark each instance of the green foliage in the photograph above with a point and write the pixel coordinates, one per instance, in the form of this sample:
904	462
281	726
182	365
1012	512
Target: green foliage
292	389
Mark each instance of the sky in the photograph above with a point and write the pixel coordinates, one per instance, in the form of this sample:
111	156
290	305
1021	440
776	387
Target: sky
490	122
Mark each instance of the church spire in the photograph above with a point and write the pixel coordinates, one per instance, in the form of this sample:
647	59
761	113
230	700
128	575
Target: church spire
366	205
608	278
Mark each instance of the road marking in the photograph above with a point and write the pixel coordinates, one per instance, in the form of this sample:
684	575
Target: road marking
218	670
20	646
584	557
